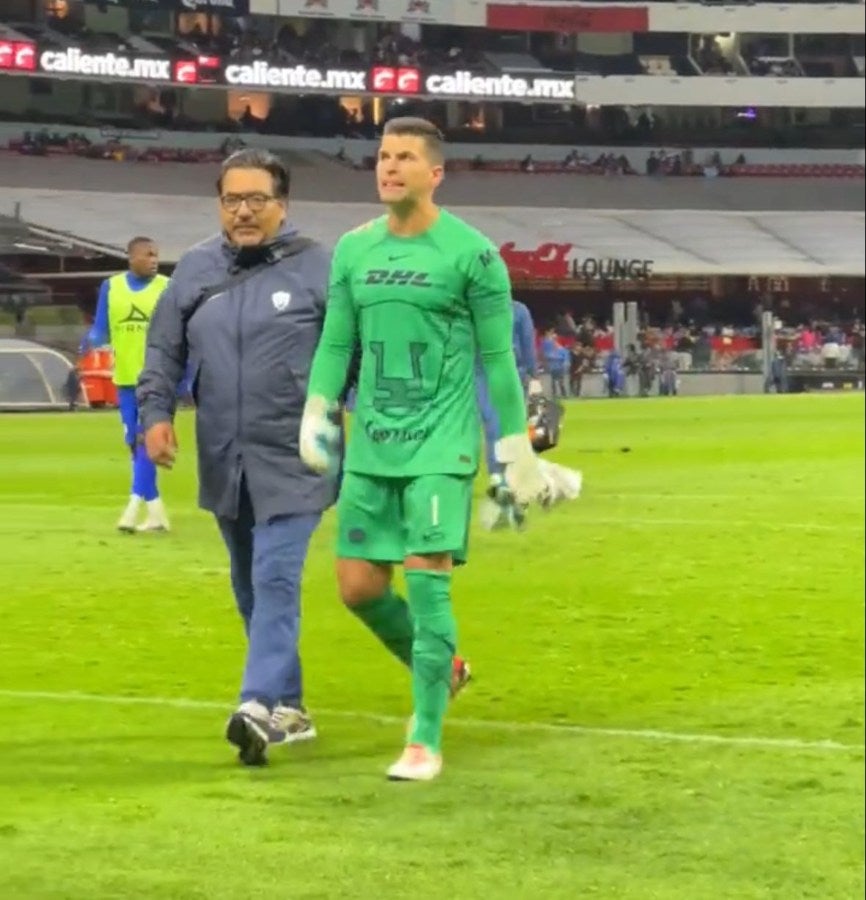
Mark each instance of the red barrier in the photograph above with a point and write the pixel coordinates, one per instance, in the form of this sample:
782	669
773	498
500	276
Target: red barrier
96	369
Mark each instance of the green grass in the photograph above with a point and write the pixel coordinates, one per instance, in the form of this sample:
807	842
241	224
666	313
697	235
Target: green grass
708	583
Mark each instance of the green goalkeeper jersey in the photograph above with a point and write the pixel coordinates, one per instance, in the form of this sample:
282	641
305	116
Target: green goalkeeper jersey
421	309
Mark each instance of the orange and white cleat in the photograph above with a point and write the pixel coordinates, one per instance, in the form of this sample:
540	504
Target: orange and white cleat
418	763
461	675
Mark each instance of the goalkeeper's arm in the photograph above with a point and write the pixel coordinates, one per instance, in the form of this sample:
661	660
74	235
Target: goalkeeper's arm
320	429
489	295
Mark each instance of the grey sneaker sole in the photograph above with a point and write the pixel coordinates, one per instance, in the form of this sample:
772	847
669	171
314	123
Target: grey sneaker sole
250	738
293	737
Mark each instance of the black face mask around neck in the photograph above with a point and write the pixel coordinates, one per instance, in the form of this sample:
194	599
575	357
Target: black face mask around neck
246	257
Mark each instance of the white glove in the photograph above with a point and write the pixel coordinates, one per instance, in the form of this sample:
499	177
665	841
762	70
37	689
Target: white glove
563	483
534	389
498	509
320	436
523	473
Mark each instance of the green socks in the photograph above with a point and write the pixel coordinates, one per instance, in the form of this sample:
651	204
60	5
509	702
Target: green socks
433	646
425	641
388	618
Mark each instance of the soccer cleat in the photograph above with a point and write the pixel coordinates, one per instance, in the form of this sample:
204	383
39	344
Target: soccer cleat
248	729
417	763
290	725
127	521
156	518
461	675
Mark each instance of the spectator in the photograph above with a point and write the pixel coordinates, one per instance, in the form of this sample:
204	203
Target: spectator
581	359
555	361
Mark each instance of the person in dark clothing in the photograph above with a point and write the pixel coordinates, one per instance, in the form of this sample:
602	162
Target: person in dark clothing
72	389
244	310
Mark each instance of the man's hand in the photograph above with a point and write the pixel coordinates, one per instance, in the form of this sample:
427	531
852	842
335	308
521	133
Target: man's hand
160	444
523	474
320	436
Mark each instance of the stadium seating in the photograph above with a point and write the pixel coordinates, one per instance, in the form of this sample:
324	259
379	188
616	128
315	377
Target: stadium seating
795	170
658	65
773	170
115	151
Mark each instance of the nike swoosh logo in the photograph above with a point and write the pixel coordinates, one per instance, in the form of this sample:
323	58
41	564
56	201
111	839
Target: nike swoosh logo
395	258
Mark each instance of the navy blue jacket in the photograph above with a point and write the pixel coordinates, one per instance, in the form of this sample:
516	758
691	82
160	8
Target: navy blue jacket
249	350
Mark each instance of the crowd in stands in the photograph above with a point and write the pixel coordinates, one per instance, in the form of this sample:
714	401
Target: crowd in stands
112	148
316	46
321	43
659	163
568	350
250	38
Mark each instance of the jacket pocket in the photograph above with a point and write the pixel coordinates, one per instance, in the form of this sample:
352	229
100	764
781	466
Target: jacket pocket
299	381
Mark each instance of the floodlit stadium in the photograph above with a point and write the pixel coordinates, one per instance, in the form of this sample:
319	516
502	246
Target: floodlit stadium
651	667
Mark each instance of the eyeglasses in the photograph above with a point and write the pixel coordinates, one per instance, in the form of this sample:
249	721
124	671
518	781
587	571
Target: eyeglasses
255	202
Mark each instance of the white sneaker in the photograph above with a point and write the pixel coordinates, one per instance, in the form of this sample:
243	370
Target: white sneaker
290	725
156	518
128	520
418	763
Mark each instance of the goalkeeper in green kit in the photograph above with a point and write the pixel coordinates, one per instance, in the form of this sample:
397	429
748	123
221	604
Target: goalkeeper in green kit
421	293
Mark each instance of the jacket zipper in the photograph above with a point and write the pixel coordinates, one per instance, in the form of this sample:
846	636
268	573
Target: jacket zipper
240	353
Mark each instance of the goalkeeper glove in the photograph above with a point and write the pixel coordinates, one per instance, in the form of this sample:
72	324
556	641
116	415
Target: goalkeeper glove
523	474
498	509
563	483
534	389
320	436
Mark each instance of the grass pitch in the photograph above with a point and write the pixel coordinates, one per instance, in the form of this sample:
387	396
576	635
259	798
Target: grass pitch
668	702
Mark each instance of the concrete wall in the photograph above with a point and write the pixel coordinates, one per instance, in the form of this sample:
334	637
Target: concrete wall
691	384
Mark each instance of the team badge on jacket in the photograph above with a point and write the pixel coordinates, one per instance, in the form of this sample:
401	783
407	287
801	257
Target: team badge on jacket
281	300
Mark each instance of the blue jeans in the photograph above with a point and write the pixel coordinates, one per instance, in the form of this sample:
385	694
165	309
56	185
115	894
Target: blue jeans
266	563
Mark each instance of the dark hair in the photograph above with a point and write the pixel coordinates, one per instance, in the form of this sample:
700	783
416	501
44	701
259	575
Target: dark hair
415	126
258	159
138	239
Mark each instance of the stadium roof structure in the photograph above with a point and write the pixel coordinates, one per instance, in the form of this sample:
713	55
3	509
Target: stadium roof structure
14	286
679	242
21	238
31	253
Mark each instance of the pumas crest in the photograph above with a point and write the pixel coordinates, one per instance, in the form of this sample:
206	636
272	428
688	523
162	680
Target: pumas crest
281	300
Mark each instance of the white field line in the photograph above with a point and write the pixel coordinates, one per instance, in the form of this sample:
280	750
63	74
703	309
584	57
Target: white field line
634	734
721	521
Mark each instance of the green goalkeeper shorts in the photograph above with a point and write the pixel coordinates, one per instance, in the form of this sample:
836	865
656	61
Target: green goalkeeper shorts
387	519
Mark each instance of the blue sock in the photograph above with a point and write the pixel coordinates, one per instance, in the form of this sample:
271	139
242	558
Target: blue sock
143	475
490	422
